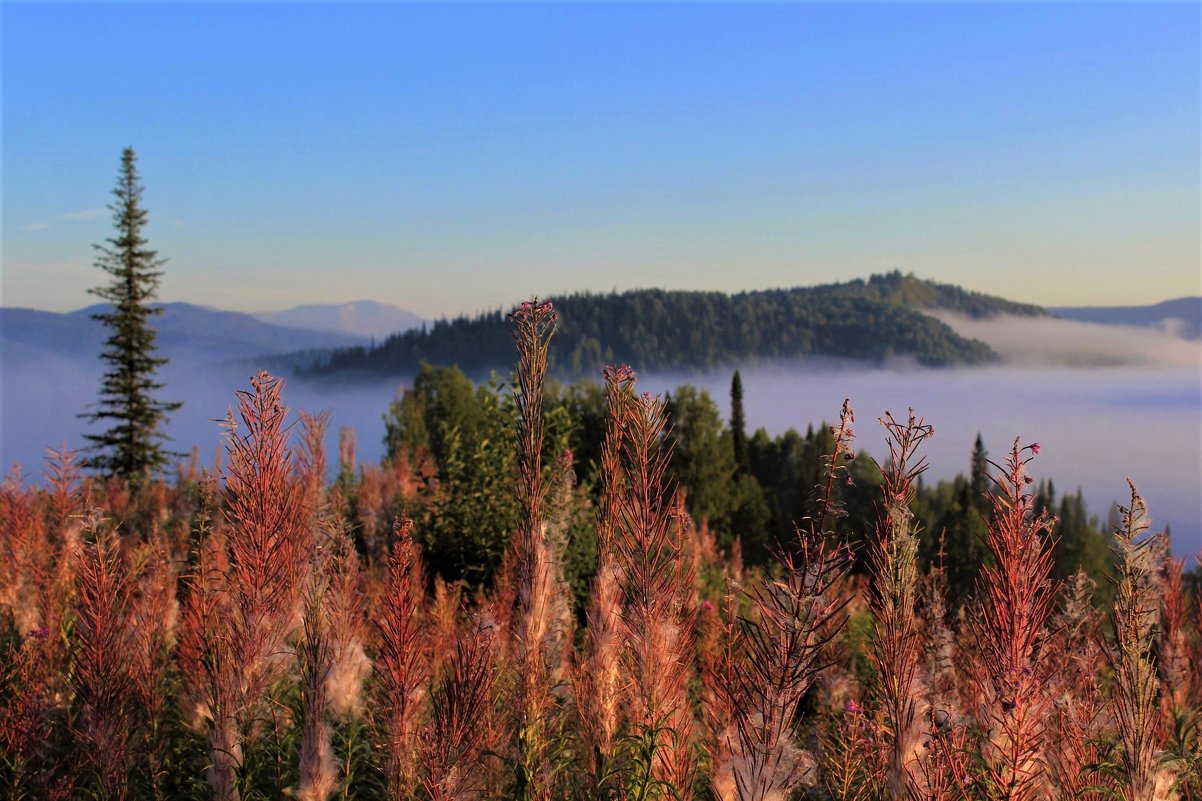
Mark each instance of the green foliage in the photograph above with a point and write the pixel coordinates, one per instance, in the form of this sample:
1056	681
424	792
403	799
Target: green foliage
786	470
748	517
954	528
467	527
906	290
860	501
471	512
857	647
579	557
702	460
872	320
637	754
132	446
576	420
360	776
738	423
1080	544
441	400
979	477
467	429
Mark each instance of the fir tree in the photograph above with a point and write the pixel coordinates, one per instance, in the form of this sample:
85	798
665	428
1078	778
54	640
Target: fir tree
132	446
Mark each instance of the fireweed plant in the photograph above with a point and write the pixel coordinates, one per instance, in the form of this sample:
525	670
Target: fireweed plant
897	643
1016	598
793	619
265	630
1144	771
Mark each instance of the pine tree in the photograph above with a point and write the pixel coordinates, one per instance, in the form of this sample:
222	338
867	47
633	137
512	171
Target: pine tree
132	446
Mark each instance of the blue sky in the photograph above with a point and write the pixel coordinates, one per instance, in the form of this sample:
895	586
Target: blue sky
454	158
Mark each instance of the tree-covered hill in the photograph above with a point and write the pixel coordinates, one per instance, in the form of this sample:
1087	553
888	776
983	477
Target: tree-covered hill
658	329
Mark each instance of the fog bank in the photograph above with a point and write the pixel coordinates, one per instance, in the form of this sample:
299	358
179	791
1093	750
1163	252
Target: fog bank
1034	341
1097	425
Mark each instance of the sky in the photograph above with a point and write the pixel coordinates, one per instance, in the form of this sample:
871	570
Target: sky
453	158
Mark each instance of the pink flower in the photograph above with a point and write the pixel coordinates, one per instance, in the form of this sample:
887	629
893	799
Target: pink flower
1035	448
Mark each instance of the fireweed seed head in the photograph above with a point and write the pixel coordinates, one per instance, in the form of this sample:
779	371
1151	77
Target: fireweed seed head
618	373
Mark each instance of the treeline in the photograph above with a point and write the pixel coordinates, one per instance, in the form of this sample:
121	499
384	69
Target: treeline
869	320
450	439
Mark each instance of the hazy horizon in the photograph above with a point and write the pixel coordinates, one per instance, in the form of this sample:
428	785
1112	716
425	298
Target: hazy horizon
512	302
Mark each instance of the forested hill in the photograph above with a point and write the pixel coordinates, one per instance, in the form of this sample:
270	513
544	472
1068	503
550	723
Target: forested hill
657	329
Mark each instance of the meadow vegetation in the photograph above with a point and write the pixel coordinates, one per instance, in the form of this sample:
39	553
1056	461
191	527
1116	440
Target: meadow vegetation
586	592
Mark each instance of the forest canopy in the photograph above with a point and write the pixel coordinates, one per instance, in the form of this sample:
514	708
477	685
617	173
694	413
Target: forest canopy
658	329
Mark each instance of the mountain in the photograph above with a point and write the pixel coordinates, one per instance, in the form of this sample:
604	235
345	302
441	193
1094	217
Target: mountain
657	329
364	318
1184	315
185	331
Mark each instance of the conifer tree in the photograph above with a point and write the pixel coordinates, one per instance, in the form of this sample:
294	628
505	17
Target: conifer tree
132	446
980	475
738	423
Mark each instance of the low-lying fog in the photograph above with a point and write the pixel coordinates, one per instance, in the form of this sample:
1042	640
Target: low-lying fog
1096	426
1105	403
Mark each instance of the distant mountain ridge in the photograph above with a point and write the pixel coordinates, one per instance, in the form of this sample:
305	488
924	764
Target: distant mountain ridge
185	331
364	318
871	320
1183	312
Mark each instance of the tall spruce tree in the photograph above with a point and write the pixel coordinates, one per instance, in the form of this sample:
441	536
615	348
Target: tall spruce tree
979	476
738	423
132	446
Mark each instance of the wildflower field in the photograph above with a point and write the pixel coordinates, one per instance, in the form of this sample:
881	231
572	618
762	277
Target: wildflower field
256	632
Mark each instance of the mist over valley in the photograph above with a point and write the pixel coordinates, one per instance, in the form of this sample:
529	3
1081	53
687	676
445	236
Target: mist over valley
1106	402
